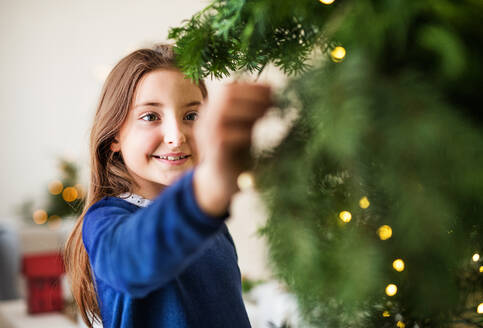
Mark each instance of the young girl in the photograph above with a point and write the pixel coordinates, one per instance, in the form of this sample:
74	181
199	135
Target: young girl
151	248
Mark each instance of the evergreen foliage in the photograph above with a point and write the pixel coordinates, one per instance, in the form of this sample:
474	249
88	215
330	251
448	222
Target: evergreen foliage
396	121
65	197
56	204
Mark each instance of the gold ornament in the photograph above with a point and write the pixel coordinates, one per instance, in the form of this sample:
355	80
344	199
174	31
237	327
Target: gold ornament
40	216
386	314
364	202
345	216
400	324
338	54
69	194
55	187
391	290
245	180
384	232
398	265
481	268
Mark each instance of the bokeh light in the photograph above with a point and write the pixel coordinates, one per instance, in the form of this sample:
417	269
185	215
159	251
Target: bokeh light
327	2
245	181
398	265
55	187
54	222
69	194
384	232
338	54
345	216
80	191
364	202
391	290
476	257
40	216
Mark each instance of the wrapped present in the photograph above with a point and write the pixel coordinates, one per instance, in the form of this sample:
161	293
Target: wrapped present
43	276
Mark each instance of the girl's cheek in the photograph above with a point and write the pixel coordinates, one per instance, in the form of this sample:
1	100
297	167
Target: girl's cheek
145	139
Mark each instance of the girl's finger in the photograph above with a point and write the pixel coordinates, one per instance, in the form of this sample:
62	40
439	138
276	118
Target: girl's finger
243	118
236	138
249	90
228	125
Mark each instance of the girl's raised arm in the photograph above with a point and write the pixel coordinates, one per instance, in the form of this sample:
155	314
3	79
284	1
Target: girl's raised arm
223	138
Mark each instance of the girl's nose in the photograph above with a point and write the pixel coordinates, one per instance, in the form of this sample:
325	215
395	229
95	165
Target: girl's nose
173	134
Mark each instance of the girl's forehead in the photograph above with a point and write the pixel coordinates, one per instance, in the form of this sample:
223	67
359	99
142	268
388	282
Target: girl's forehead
167	85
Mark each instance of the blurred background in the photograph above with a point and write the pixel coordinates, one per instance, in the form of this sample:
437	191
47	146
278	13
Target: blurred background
54	58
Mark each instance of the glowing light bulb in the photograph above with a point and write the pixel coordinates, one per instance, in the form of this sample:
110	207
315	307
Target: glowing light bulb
398	265
364	202
384	232
40	216
391	290
245	181
476	257
69	194
386	314
327	2
55	187
479	309
338	54
345	216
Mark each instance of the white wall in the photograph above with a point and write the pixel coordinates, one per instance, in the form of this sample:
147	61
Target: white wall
53	53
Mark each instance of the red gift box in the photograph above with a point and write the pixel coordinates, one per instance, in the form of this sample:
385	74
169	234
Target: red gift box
44	289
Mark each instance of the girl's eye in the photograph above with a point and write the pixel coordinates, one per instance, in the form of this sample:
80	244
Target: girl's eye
193	116
149	117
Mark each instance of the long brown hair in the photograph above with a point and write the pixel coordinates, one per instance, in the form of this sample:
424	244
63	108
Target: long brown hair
109	175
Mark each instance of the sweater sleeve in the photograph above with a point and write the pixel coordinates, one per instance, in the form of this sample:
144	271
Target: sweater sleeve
138	252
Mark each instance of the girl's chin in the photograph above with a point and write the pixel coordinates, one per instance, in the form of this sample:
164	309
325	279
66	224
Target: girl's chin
171	178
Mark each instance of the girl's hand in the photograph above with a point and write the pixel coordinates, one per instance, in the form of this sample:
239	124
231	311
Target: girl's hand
223	138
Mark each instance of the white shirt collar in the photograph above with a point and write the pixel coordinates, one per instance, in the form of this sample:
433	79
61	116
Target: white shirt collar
135	199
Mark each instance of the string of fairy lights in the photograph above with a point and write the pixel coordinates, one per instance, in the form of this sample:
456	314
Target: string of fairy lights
69	194
246	181
384	232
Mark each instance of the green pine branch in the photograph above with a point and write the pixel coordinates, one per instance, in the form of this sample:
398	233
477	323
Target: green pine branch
394	121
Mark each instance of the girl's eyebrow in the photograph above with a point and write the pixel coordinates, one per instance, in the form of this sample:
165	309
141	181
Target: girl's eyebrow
150	103
158	104
193	103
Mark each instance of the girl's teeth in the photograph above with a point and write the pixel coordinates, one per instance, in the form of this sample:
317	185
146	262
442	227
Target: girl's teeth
173	158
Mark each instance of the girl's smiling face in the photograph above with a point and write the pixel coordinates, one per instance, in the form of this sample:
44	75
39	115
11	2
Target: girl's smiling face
156	139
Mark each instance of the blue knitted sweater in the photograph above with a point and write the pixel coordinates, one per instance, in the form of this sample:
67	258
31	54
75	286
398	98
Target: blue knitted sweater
164	265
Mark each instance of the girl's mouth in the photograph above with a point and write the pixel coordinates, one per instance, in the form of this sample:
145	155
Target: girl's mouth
172	160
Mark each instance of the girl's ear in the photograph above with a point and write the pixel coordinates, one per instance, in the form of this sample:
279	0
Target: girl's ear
115	145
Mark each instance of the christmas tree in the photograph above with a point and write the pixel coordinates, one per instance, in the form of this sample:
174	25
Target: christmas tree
65	198
376	195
